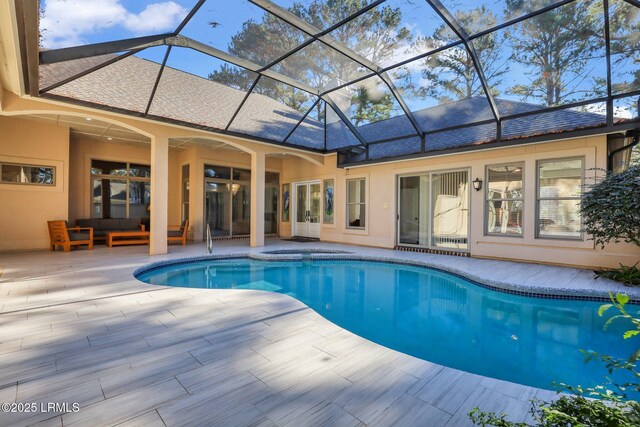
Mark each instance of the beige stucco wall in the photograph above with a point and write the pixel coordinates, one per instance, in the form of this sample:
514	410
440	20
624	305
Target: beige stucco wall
381	208
21	139
25	209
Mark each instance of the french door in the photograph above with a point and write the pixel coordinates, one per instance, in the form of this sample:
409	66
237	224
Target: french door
306	221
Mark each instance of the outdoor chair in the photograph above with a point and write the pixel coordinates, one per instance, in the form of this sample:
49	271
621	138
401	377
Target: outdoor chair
61	235
178	233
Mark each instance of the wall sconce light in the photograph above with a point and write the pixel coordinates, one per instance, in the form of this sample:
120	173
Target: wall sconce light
477	184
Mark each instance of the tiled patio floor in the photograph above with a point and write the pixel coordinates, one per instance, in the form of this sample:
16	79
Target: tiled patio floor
77	327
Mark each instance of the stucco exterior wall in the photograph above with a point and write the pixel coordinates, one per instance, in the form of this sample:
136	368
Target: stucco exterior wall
25	209
382	210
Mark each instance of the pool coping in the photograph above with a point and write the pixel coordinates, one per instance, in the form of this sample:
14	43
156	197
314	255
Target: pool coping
513	288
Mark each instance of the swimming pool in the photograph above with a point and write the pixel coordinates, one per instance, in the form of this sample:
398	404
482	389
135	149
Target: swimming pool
430	314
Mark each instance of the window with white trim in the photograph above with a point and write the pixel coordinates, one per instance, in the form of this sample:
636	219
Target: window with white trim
504	205
356	203
558	198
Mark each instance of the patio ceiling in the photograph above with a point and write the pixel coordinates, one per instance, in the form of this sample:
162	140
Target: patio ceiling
370	79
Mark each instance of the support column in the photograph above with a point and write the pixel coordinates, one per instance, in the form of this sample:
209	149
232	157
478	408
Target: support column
257	199
159	195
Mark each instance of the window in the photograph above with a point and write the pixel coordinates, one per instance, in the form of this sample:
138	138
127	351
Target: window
271	188
356	206
504	199
185	192
12	173
120	189
559	189
328	201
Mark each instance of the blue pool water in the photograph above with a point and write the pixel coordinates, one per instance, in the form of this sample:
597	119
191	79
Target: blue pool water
430	314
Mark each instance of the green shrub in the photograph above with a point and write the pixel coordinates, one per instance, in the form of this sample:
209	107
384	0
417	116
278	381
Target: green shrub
629	276
610	209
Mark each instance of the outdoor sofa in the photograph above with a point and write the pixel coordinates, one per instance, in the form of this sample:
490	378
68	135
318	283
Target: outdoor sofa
102	226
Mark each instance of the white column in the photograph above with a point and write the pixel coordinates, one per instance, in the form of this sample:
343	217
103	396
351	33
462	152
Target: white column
257	199
159	194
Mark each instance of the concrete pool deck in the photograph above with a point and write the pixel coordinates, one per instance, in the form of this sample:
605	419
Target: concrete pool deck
78	328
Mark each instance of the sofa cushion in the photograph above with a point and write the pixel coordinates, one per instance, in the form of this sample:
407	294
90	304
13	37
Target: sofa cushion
113	224
74	236
90	222
110	224
175	233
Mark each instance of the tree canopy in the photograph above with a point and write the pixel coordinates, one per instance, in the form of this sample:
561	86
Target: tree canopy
611	208
555	48
547	59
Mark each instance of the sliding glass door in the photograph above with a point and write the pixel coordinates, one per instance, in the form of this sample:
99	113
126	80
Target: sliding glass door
413	225
450	210
433	210
227	201
217	206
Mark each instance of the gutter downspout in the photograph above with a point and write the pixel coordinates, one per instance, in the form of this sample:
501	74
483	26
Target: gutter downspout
635	134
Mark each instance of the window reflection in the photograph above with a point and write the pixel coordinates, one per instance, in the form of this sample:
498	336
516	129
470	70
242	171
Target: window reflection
25	174
559	189
120	189
505	199
356	203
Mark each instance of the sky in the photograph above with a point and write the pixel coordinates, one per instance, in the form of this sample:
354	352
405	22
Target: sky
77	22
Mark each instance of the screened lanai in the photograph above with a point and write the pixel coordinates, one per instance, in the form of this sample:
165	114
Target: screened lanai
370	80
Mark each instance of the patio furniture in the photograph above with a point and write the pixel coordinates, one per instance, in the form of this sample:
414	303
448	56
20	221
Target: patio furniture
116	238
178	233
102	226
61	235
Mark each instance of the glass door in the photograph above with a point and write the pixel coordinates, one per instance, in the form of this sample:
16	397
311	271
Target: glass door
302	194
217	205
315	196
450	210
413	218
307	209
433	210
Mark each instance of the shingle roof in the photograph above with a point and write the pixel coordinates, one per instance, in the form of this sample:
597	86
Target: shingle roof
127	84
468	112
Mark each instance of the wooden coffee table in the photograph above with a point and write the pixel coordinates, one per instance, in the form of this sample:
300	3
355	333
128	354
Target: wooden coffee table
115	238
